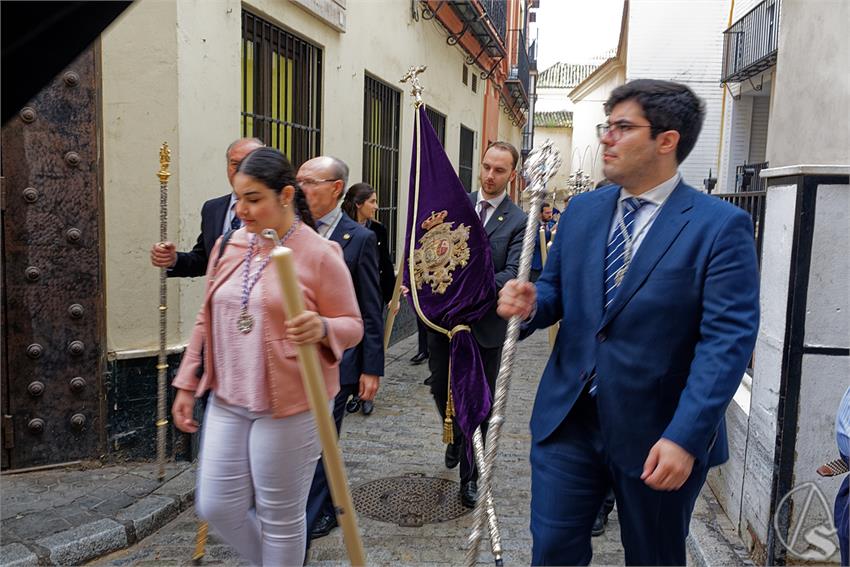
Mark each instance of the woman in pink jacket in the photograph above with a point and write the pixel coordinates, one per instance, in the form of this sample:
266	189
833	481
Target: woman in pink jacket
260	444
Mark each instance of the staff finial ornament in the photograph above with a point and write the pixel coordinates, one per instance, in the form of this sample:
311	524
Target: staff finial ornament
416	88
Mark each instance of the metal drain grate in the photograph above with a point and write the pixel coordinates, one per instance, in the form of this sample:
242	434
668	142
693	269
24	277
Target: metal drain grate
411	500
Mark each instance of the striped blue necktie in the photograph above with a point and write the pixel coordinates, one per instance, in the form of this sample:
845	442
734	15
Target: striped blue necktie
235	223
615	257
615	254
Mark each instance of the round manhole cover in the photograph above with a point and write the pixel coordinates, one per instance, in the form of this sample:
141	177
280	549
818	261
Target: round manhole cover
410	500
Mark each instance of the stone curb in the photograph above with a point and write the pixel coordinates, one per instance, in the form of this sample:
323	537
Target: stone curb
89	541
713	541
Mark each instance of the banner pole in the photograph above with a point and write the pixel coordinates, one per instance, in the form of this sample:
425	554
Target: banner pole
541	164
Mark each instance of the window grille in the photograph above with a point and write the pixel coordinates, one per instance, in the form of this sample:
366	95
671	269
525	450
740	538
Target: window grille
381	108
467	148
281	89
438	121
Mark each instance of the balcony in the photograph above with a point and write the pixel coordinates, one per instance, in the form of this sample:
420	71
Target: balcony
517	83
750	45
477	26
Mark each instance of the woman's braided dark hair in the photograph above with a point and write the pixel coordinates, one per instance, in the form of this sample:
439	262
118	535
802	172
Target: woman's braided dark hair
356	195
272	169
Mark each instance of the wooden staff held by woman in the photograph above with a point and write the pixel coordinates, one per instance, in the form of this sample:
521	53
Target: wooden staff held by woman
260	443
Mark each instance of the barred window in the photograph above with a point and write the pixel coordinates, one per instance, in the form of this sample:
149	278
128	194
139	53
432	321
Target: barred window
381	108
281	89
467	149
438	121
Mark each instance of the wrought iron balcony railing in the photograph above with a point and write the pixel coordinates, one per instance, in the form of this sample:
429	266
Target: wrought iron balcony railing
518	78
750	45
747	177
496	12
485	21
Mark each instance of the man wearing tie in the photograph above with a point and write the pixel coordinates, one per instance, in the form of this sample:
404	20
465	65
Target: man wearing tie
324	180
547	223
217	217
656	285
504	224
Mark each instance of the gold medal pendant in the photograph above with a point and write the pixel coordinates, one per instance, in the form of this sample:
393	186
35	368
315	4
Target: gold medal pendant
245	322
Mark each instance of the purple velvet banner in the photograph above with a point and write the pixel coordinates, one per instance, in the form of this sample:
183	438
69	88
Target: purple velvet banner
456	288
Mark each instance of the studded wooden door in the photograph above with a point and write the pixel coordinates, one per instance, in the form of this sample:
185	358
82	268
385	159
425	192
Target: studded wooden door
53	307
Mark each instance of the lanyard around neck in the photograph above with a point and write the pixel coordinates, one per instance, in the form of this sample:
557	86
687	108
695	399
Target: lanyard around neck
628	239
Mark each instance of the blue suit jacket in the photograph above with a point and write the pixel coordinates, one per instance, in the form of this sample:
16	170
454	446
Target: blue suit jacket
360	250
193	264
671	349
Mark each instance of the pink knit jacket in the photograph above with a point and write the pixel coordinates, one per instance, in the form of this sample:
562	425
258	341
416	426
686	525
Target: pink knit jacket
326	284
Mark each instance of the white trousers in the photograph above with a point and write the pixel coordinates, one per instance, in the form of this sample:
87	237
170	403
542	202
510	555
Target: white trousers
254	478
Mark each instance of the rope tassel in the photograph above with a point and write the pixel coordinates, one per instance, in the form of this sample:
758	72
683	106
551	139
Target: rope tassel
448	426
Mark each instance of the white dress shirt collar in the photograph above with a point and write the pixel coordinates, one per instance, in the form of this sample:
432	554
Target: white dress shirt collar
658	194
329	222
494	201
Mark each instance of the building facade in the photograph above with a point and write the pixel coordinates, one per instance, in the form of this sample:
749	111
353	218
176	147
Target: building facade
309	77
793	174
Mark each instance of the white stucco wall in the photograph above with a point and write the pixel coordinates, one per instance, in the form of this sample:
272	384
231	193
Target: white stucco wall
140	90
171	71
683	42
589	111
808	123
562	139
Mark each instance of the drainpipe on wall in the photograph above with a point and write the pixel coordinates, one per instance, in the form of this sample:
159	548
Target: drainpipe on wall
723	105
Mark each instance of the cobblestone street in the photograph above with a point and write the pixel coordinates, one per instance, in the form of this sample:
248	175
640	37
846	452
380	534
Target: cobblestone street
403	436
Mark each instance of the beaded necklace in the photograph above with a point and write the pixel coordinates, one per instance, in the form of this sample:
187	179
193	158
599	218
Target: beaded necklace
246	321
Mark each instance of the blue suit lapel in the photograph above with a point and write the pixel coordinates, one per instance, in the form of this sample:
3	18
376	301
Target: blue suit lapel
598	222
342	233
670	221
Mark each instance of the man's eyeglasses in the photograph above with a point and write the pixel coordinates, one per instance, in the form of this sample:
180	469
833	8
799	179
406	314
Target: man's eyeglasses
314	182
617	129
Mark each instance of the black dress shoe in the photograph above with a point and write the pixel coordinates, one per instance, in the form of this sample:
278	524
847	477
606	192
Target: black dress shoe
469	493
599	524
428	381
419	358
367	406
452	455
323	526
353	405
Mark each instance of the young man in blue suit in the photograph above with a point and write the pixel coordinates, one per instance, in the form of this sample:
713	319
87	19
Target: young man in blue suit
324	180
217	217
656	288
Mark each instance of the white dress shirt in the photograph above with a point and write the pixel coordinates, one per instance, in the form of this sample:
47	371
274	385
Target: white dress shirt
646	215
231	212
329	222
494	204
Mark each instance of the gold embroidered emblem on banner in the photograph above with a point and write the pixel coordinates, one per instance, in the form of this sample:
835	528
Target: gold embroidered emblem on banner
441	250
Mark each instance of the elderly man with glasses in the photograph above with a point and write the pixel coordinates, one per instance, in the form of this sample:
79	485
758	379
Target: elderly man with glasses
324	180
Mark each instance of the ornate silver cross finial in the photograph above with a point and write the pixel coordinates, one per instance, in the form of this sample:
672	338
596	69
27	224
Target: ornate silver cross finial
540	165
416	89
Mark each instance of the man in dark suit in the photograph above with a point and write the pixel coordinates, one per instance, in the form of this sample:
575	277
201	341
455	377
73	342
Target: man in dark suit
656	286
323	180
547	223
217	217
504	224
